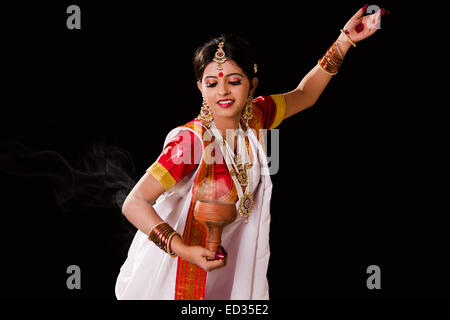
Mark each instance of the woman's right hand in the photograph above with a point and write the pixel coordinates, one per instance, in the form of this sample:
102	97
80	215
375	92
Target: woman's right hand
196	255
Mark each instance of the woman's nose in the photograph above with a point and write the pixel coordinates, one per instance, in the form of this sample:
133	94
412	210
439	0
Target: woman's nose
222	88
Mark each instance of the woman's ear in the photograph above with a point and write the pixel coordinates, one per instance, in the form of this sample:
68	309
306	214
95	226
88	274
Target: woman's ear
253	85
199	86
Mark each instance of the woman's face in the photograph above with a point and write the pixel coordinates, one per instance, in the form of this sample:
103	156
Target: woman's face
226	95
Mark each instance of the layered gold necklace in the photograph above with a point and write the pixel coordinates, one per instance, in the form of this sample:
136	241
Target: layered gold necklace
239	166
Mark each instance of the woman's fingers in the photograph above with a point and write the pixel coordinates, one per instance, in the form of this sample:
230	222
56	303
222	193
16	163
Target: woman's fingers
373	20
207	259
360	12
365	26
214	264
356	19
208	254
210	262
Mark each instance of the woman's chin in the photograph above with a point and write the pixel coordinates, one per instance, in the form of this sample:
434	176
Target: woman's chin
227	116
229	113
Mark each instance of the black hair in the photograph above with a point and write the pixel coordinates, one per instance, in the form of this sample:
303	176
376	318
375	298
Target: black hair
236	49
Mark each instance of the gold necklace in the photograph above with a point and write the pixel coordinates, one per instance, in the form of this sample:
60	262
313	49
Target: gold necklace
240	170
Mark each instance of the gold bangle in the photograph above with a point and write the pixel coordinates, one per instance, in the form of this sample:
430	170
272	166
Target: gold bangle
157	232
333	54
341	56
331	60
161	235
331	74
155	226
169	242
349	39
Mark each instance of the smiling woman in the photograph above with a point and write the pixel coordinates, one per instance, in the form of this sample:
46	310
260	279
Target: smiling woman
218	157
185	172
226	95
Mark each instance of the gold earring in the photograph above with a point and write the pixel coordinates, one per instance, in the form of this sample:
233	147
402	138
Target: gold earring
205	115
248	110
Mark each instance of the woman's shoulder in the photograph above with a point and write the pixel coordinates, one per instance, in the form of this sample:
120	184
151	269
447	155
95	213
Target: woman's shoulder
269	110
188	134
182	152
192	128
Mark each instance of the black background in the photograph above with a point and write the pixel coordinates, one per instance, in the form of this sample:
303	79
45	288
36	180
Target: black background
361	180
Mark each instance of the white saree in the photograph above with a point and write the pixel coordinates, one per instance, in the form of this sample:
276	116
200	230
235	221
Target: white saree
150	273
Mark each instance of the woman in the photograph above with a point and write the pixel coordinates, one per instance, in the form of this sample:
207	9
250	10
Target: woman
197	163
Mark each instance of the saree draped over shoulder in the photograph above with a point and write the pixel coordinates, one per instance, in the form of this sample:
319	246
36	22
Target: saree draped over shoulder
150	273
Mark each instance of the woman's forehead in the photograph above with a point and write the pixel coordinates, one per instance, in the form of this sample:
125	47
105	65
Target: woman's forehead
228	67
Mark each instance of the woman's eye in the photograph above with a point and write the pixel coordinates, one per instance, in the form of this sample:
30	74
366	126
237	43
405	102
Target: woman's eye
235	83
211	85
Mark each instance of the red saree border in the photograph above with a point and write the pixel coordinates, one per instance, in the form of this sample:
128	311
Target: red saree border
191	279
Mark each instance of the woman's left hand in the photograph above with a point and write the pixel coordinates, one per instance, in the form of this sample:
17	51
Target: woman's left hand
360	27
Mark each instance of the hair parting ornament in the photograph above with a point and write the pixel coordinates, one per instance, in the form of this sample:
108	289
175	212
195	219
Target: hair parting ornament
220	58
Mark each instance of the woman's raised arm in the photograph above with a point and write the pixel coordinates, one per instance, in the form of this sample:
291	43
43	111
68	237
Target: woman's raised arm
359	27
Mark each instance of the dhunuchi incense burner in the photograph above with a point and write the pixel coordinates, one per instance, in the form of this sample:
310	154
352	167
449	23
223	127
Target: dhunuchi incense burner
214	215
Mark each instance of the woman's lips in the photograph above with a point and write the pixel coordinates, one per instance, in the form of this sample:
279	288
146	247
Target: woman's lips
225	103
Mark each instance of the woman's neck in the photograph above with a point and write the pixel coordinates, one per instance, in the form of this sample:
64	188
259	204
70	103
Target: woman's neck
230	124
224	124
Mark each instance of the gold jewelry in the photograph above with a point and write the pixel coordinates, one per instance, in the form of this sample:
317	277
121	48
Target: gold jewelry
255	68
348	37
240	172
238	159
246	205
205	115
169	242
162	235
331	60
242	176
248	110
219	57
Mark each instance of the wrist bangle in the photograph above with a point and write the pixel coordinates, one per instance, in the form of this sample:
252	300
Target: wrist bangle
161	235
169	242
331	60
348	38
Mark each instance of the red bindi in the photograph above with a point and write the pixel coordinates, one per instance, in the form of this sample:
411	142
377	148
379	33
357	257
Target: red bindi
221	74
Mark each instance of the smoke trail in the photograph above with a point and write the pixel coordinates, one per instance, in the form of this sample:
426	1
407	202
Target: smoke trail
104	180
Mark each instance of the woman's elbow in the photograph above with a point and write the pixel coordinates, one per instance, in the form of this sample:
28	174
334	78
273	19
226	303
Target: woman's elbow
134	203
126	206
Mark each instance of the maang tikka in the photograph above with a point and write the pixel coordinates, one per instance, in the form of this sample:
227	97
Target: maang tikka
220	58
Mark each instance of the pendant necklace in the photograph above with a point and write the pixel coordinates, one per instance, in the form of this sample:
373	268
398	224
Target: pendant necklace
239	167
